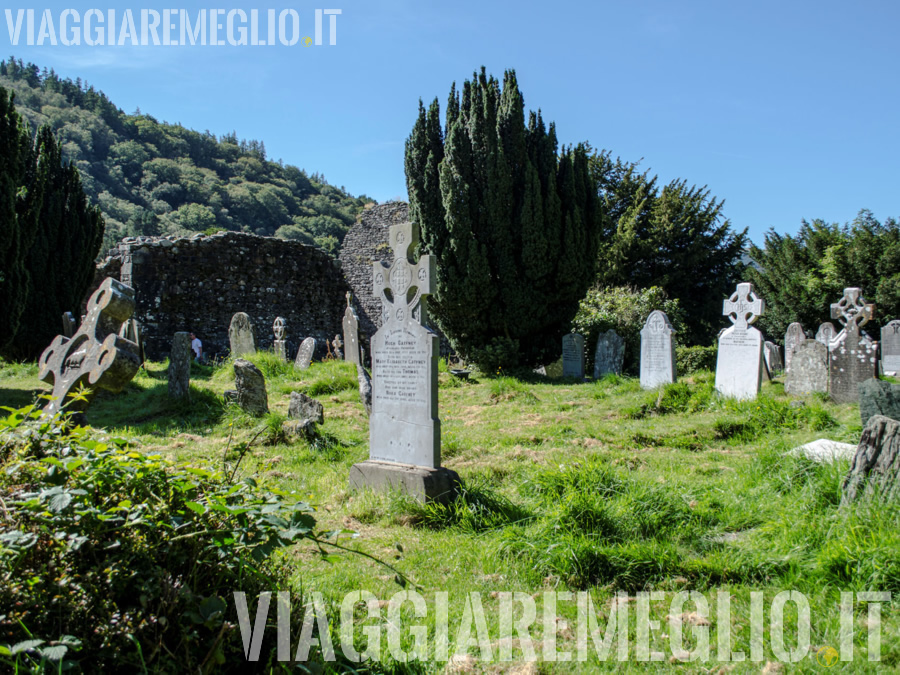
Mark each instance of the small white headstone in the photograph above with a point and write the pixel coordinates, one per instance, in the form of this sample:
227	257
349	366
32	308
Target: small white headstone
573	355
305	353
826	333
890	347
657	351
740	358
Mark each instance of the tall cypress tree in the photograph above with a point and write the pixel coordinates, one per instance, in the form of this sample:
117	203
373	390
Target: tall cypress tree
514	225
50	238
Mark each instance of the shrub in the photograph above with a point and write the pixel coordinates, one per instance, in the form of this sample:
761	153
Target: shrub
689	360
625	310
128	558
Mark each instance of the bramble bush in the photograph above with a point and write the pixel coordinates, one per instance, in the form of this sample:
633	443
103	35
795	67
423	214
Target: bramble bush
128	561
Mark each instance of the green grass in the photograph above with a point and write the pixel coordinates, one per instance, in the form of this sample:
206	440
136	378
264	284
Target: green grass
596	486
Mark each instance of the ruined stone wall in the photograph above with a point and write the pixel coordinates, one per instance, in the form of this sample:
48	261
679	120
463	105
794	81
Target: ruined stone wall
198	283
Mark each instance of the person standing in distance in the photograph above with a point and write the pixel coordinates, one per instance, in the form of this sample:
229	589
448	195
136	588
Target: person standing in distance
197	347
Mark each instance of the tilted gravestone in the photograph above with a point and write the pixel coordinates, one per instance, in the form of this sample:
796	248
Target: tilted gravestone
851	355
809	369
792	339
657	351
609	354
305	353
573	355
739	363
890	347
351	332
96	356
404	428
180	366
279	328
826	333
241	336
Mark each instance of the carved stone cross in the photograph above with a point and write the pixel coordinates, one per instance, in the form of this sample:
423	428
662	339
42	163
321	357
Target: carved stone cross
403	275
96	356
279	328
852	310
743	307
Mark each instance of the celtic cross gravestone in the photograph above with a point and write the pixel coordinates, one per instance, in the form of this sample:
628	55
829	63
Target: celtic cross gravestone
404	428
851	354
279	328
740	357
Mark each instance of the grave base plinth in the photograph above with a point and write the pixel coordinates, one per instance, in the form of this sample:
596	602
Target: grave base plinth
422	483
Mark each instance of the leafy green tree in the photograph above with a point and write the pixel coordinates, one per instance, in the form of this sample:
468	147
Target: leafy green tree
674	238
514	224
801	276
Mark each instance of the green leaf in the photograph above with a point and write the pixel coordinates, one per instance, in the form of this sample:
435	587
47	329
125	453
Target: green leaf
59	502
195	507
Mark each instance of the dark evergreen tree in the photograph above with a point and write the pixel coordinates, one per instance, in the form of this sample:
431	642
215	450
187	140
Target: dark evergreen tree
674	238
513	224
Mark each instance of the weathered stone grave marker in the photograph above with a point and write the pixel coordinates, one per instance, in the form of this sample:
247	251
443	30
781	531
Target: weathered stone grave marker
739	363
609	354
773	357
826	333
180	366
338	348
95	356
573	355
240	335
351	332
404	428
305	353
792	339
250	389
809	369
890	347
851	355
657	351
279	328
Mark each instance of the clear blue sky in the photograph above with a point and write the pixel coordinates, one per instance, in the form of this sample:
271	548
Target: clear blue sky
786	110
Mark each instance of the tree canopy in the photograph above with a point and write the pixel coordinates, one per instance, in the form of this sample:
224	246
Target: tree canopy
514	223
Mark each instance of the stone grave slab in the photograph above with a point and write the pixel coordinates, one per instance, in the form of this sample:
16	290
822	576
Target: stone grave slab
657	351
609	354
825	451
351	332
241	336
739	362
890	347
573	355
96	356
852	355
792	339
404	427
877	397
809	369
180	366
772	354
305	353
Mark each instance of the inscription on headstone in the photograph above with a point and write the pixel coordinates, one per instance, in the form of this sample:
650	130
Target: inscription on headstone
609	355
890	347
809	369
404	428
657	351
851	355
95	356
739	363
573	355
305	353
240	335
351	332
792	339
279	328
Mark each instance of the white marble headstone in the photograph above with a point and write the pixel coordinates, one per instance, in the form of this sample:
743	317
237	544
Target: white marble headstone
657	351
573	355
890	347
740	359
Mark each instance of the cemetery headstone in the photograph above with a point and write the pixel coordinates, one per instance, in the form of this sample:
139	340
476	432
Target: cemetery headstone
251	388
304	414
851	355
772	354
279	328
875	470
657	351
96	356
241	336
573	355
609	355
68	320
351	332
365	388
826	333
180	366
890	347
739	362
809	369
305	353
338	348
404	427
792	339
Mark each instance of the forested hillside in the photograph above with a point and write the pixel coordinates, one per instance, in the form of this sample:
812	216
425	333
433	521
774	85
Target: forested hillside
154	178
